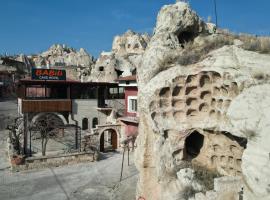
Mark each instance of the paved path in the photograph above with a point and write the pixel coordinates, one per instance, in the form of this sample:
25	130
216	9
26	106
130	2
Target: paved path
93	181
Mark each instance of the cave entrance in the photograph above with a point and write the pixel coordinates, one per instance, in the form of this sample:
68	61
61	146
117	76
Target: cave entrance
193	145
185	37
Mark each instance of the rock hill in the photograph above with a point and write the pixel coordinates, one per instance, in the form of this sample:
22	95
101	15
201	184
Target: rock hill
61	55
123	60
204	112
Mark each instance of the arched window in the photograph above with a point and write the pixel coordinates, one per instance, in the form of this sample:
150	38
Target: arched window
84	124
94	122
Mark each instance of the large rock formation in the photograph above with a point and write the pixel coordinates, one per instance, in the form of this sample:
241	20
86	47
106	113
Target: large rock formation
130	43
123	60
203	125
61	55
76	63
104	69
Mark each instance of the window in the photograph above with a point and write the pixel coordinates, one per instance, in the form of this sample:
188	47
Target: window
84	124
94	122
116	93
132	104
101	68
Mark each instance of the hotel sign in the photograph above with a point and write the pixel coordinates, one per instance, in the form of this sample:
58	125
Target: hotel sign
48	74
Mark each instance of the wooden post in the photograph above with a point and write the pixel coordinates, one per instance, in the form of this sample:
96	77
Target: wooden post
128	154
122	163
30	142
25	131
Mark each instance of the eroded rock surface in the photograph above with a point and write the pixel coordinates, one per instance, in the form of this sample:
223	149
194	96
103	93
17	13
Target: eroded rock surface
195	120
123	60
61	55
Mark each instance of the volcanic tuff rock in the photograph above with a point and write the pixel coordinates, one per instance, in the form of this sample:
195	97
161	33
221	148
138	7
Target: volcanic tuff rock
203	126
130	43
61	55
104	69
124	58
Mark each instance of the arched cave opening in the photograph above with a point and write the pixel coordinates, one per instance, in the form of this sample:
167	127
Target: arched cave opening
193	145
185	36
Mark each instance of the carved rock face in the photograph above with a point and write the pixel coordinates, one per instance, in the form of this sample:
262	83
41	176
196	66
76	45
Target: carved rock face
184	110
130	43
185	101
192	98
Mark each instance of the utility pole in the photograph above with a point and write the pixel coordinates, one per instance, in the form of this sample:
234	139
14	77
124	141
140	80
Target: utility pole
215	5
123	158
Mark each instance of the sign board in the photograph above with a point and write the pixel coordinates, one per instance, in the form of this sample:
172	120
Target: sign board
48	74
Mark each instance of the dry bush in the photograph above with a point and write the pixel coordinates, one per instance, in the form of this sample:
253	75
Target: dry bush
192	53
205	177
189	192
253	43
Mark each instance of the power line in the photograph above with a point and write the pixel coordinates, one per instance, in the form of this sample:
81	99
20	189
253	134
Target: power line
215	5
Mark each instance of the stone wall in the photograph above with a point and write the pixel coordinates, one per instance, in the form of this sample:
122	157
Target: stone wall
55	161
86	108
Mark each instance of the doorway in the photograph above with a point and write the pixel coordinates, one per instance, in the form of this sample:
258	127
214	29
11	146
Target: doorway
84	124
108	141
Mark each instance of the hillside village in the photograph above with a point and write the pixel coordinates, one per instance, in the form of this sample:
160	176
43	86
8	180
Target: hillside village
179	114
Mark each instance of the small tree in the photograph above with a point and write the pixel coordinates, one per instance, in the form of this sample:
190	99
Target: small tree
47	126
15	133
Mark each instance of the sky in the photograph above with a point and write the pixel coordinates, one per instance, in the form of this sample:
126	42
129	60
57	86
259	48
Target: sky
32	26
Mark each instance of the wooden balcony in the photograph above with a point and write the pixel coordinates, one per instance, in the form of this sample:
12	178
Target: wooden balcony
46	105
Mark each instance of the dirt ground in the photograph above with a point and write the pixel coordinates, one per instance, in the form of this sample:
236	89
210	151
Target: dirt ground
84	181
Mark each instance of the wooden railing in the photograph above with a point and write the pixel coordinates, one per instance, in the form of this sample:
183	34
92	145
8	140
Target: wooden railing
55	105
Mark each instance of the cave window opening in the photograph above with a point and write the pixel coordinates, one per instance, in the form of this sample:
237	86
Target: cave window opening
101	69
185	37
119	73
193	145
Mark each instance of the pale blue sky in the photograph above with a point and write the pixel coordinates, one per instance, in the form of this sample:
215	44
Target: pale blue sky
31	26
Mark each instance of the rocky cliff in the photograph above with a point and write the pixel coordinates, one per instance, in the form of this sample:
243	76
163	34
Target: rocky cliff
123	60
61	55
203	104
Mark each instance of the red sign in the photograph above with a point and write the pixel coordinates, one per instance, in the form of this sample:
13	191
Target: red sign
48	74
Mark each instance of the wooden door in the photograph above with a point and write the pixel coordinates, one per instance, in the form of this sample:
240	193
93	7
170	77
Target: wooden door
114	140
101	145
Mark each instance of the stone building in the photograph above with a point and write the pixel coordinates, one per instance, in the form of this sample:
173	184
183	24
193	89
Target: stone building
84	105
130	120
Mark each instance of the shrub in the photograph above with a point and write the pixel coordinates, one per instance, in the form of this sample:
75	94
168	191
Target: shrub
205	177
192	53
189	192
254	43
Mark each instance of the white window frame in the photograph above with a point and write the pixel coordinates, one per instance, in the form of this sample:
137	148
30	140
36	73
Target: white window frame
129	106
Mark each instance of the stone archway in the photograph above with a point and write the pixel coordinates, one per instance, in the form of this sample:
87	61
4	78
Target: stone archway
108	140
58	115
